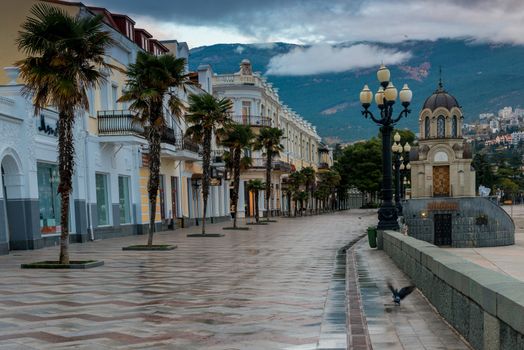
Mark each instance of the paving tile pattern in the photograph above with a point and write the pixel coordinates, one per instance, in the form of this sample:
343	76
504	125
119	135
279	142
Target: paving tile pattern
266	288
357	326
412	326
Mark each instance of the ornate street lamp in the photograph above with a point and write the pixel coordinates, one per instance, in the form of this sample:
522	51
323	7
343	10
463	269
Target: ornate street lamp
400	162
385	99
405	168
397	150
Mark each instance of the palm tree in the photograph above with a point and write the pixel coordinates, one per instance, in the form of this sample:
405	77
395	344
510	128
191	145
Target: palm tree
269	140
255	186
309	180
239	138
296	180
149	81
207	116
64	58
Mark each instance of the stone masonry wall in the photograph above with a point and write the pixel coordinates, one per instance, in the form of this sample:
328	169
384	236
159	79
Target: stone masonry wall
486	307
498	229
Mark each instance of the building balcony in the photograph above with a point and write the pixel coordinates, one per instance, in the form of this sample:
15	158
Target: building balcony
119	126
277	165
176	146
236	79
323	165
252	120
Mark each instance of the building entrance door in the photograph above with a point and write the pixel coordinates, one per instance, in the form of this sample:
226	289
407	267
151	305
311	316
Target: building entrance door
441	181
174	197
442	228
4	193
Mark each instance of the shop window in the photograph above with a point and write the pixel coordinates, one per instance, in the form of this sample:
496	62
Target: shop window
102	200
48	198
124	200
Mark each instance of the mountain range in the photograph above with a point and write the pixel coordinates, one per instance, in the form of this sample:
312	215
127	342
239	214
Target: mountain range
483	77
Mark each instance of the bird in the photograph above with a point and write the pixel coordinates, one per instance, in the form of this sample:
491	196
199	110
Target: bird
398	295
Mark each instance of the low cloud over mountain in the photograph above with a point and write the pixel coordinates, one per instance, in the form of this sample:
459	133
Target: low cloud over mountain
324	58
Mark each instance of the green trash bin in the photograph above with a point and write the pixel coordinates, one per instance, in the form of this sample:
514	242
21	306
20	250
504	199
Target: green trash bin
372	236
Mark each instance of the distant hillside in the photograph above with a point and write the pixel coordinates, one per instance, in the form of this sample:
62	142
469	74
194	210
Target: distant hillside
483	78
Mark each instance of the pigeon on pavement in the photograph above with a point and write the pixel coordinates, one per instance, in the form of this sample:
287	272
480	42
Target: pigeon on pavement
398	295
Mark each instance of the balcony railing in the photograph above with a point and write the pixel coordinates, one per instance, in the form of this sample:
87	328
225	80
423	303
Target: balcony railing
118	122
187	144
228	79
276	165
323	165
252	120
168	136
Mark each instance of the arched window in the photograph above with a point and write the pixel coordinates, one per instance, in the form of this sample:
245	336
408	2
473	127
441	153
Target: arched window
454	126
441	126
426	128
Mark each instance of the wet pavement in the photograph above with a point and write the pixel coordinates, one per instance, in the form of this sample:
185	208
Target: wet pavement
508	260
273	287
414	325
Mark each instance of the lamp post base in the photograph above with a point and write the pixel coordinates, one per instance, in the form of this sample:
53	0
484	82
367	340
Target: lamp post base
399	208
387	217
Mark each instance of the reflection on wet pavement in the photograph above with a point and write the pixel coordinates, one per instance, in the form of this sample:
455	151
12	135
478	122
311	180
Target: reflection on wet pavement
412	325
271	287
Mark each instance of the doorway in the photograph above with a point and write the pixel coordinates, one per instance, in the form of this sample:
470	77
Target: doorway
442	226
4	211
441	181
174	196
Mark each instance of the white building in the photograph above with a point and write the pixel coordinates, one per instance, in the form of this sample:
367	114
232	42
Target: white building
109	195
256	103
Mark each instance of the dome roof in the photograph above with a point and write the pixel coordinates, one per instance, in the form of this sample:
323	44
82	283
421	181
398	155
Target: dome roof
440	98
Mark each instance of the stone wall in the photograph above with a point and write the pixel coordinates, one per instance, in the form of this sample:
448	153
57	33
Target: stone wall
486	307
497	230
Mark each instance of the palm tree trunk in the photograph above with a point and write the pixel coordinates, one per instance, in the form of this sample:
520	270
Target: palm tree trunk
66	163
236	182
268	181
205	180
154	178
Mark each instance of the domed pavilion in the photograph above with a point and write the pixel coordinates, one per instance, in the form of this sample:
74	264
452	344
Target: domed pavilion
441	164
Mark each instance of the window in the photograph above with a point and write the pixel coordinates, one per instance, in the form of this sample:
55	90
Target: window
91	100
114	95
102	200
426	128
124	200
454	126
246	112
441	126
103	96
48	198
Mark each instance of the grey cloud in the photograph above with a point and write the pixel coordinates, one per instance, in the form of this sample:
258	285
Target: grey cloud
311	21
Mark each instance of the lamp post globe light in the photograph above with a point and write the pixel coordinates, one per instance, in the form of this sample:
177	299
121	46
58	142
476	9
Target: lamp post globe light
385	99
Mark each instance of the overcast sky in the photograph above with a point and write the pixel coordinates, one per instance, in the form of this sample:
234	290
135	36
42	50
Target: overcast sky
204	22
322	22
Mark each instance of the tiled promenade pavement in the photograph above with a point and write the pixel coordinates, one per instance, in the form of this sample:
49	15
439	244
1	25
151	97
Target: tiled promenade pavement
260	289
412	326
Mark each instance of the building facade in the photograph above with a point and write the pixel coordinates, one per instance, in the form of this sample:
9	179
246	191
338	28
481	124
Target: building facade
441	163
256	103
110	181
